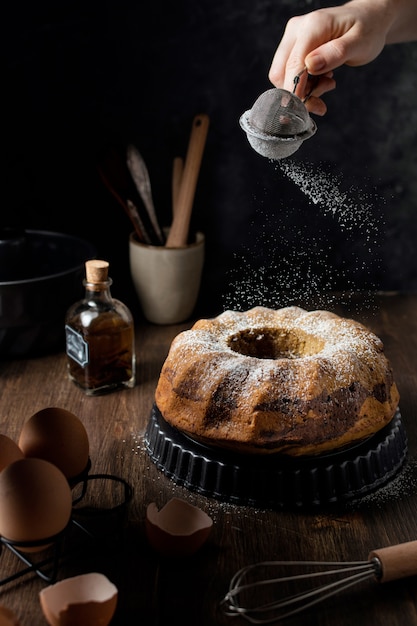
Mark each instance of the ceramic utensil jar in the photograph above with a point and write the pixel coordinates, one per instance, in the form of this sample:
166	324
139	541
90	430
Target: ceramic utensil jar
167	280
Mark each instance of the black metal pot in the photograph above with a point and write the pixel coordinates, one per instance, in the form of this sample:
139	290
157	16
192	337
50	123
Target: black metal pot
41	275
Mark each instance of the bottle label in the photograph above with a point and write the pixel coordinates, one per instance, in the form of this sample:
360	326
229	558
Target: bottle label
77	347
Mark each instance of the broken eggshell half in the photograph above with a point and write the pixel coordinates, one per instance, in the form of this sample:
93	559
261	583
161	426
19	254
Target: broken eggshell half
85	600
178	529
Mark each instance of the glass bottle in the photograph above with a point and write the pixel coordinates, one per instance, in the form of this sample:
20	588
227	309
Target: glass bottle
99	330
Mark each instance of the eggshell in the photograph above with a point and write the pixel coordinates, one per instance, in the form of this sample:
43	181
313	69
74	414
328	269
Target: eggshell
7	617
86	600
35	501
9	451
178	529
57	436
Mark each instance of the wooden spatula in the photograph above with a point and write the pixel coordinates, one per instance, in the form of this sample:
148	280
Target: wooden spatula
178	234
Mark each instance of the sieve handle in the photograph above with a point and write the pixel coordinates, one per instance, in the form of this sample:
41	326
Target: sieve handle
178	233
397	561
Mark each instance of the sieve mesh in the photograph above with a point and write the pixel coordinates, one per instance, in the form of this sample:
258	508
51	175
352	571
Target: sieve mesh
279	113
279	122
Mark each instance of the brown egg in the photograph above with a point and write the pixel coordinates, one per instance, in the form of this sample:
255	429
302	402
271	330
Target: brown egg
86	600
7	617
57	436
35	501
9	451
178	529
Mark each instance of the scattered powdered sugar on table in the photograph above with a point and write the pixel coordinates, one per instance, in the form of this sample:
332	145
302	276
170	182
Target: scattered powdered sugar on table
402	486
298	264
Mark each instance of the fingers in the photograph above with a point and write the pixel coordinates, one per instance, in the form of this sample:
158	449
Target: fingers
352	34
289	57
319	41
316	106
312	98
310	89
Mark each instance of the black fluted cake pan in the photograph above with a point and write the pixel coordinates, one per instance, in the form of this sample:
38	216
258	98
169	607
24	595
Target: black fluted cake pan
277	481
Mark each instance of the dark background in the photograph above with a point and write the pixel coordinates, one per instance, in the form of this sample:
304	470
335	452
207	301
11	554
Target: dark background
82	75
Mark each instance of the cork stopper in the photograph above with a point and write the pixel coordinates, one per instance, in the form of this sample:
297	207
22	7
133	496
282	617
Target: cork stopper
97	271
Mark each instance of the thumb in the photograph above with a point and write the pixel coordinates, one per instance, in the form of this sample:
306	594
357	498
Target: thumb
327	57
347	49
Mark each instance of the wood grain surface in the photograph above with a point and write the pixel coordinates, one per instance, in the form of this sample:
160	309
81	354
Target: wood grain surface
157	591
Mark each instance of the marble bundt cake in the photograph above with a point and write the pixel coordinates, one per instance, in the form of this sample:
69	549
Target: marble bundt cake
288	381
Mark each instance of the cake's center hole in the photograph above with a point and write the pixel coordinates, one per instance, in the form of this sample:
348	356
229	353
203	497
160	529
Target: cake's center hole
267	343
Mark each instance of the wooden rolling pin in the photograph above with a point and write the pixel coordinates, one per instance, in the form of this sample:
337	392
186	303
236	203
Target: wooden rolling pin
178	234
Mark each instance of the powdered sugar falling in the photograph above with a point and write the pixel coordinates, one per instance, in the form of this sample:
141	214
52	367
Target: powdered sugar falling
351	208
285	267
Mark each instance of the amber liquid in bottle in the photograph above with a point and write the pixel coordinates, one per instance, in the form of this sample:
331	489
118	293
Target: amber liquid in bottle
100	337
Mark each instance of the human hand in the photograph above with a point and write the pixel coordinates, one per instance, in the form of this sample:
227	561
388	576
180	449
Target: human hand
352	34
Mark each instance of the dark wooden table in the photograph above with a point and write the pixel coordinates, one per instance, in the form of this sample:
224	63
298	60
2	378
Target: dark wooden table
153	590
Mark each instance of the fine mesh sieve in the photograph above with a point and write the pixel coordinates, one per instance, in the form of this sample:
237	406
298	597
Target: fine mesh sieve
278	123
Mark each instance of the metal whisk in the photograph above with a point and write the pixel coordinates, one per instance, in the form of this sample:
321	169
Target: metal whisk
278	122
385	564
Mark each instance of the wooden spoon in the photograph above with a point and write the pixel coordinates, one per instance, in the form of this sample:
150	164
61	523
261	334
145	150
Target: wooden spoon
177	171
178	234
